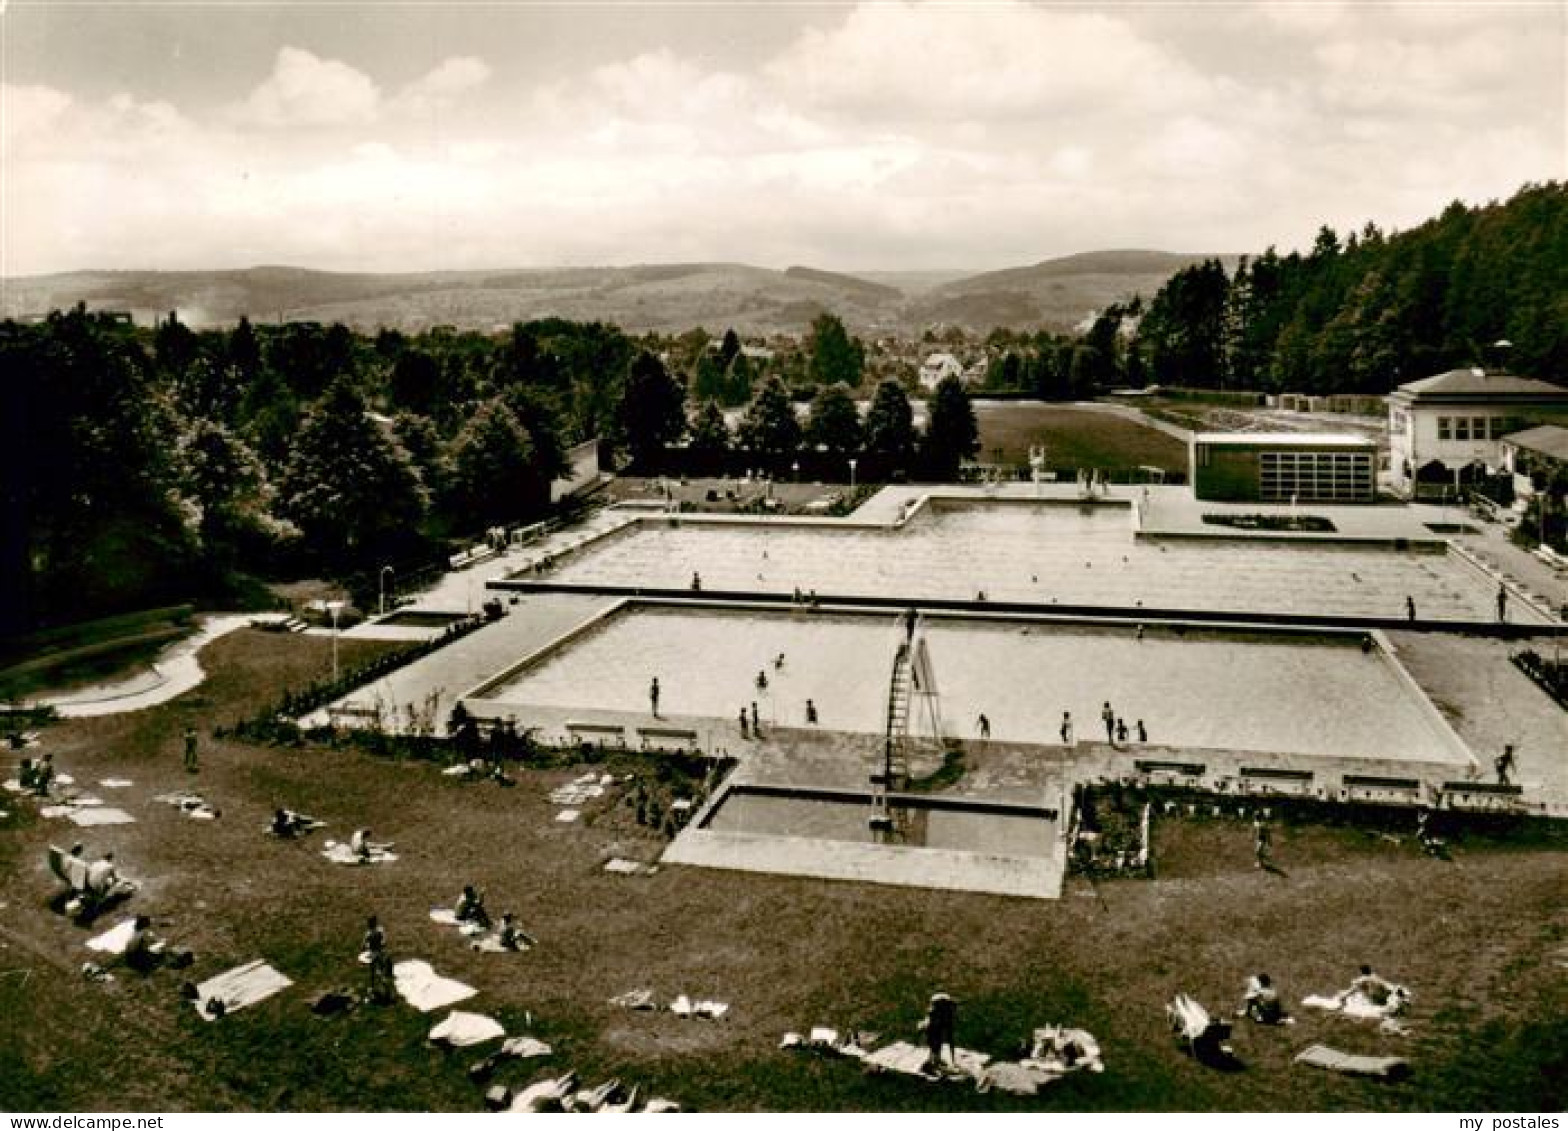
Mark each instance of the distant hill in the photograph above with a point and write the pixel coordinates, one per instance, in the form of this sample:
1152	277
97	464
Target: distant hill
664	297
1054	294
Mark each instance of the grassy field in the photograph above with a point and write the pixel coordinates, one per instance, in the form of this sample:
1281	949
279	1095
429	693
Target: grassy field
1075	438
1481	941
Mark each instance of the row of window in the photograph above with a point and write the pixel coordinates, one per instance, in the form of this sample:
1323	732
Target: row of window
1468	428
1283	476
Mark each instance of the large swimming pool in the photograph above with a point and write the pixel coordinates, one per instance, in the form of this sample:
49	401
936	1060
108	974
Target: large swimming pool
1036	552
1270	693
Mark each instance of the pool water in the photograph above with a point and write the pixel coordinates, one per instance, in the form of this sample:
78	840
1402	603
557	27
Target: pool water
1213	689
821	818
1072	555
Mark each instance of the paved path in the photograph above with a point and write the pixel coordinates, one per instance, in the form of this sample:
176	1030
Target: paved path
176	670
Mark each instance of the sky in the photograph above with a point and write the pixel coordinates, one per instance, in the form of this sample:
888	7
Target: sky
400	136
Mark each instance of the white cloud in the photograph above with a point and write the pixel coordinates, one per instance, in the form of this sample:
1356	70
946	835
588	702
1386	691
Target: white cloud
892	135
305	90
444	85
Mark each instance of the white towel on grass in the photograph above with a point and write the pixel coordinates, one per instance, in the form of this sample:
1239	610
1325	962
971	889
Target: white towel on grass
100	815
424	989
461	1030
237	988
115	939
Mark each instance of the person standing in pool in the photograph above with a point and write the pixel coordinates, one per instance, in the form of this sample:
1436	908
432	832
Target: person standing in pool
1108	717
1121	730
1143	735
653	696
1410	607
1502	603
1067	728
985	727
745	728
756	721
811	713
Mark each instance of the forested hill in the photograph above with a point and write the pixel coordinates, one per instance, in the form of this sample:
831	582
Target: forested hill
1367	311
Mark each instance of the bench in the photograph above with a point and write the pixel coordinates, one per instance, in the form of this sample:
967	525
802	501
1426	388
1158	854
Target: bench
1170	771
1370	787
1266	779
681	735
1551	557
1480	796
601	731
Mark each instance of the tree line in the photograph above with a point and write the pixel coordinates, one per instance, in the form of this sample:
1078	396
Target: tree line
147	465
1358	313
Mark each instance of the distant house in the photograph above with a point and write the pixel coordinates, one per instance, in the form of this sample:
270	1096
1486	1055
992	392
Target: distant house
1446	432
937	367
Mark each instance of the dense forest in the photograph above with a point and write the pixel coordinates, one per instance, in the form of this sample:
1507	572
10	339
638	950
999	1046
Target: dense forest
1359	313
153	465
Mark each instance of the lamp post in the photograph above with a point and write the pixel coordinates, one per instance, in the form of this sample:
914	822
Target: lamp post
333	609
852	474
795	467
384	571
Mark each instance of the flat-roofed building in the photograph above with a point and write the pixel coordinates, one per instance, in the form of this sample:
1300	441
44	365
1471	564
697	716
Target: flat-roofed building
1446	431
1283	467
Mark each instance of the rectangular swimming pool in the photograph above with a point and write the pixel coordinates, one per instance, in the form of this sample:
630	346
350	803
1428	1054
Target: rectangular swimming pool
1216	689
1035	552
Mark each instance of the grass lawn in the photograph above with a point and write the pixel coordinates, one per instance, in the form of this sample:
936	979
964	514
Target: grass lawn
1480	940
1075	438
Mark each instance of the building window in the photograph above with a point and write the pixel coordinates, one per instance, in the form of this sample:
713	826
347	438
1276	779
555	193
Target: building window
1478	429
1445	428
1461	427
1325	476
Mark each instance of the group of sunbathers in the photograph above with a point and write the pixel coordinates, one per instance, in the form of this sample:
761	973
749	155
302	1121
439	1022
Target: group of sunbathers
36	777
471	909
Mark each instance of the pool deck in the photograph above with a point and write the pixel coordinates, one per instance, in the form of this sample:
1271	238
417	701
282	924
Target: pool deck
433	684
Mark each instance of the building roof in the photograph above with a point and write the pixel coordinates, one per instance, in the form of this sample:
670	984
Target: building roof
1547	439
1284	439
1478	382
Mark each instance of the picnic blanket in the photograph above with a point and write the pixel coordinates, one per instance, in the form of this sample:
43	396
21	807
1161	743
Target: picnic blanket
116	783
568	816
115	939
911	1060
1379	1067
821	1038
462	1030
447	917
339	852
622	867
237	988
193	805
424	989
98	814
545	1094
635	999
684	1006
1359	1005
524	1048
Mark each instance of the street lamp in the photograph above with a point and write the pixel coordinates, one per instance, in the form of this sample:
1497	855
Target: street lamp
852	474
384	571
333	609
795	467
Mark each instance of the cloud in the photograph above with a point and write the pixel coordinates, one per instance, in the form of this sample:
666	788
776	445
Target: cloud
444	85
904	61
885	135
305	90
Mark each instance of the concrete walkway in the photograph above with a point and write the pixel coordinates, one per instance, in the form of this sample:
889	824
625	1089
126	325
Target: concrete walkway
176	670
